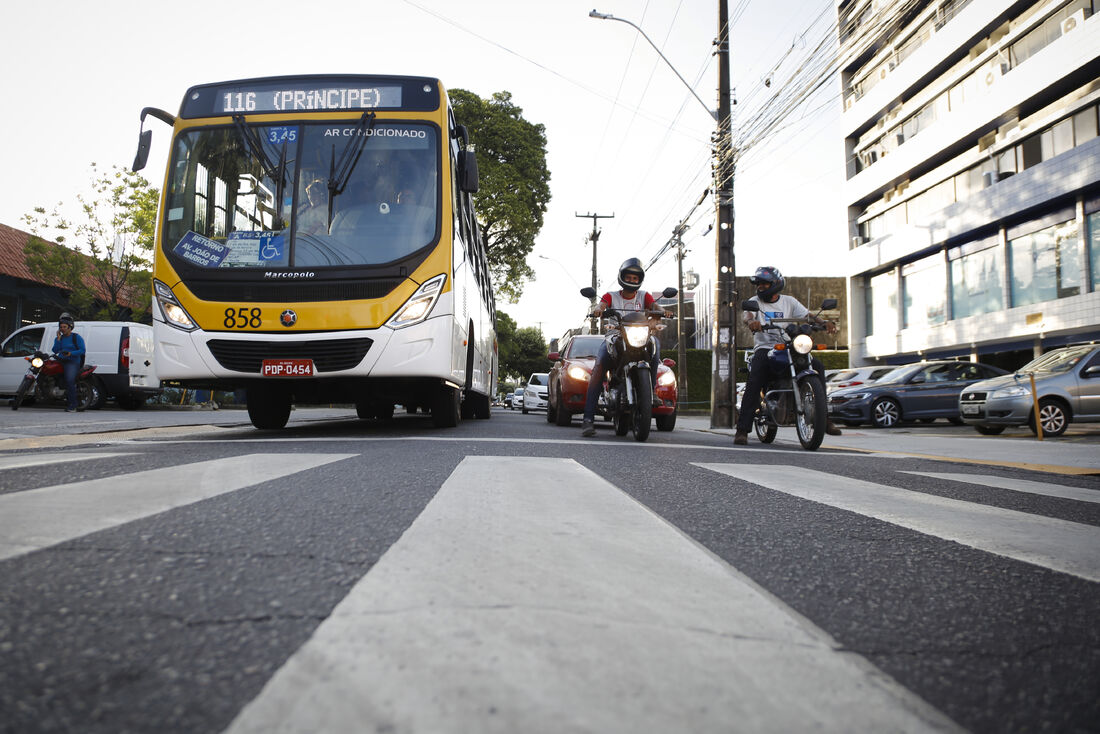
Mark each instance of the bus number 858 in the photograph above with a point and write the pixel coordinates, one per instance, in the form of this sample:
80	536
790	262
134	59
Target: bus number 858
242	318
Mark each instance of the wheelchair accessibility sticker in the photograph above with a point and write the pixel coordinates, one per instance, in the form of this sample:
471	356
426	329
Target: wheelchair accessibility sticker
249	249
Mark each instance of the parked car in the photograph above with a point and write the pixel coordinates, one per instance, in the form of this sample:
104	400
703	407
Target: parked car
921	391
122	352
1068	384
534	395
839	379
508	400
568	384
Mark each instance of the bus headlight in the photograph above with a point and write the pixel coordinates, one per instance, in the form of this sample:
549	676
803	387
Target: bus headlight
417	308
803	344
636	336
170	307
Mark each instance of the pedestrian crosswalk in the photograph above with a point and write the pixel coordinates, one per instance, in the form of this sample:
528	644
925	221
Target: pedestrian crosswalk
532	594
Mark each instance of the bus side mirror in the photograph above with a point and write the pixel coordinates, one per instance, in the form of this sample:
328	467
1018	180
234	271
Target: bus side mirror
142	157
467	172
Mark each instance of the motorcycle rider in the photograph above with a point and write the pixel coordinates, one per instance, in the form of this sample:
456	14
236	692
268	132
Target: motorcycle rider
69	348
630	297
769	283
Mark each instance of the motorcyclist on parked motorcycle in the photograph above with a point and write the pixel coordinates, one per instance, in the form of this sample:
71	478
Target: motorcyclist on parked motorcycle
769	283
69	348
630	297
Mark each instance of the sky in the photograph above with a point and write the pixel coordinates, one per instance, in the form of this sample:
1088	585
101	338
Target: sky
625	136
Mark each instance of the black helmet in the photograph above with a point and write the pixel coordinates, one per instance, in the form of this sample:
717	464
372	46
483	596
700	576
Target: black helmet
633	265
772	277
66	319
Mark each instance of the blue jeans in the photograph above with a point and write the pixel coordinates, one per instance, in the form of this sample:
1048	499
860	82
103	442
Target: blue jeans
72	369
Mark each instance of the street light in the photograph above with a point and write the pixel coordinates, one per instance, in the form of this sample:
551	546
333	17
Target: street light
609	16
544	257
724	380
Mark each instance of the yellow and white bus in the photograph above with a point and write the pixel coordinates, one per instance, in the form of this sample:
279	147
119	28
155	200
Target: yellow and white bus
317	243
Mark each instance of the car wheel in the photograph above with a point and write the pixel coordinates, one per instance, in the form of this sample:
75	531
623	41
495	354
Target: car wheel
989	430
666	422
1053	417
562	416
956	421
885	413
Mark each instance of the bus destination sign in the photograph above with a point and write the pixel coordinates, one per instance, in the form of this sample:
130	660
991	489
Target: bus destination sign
305	98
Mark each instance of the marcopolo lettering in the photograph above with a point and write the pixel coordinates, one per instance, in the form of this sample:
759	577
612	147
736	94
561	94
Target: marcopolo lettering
289	274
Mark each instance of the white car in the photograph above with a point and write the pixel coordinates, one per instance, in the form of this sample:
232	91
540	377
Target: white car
536	394
856	376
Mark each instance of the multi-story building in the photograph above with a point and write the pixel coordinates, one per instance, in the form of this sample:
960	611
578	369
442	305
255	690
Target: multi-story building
973	177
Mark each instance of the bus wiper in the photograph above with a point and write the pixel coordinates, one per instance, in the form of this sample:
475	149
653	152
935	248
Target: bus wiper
276	172
340	173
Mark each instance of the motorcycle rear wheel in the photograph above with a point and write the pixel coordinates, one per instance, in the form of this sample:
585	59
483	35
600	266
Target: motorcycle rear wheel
641	413
26	386
84	394
811	420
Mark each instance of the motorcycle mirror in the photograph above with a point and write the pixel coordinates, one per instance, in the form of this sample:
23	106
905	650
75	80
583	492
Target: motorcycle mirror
553	356
828	304
588	292
750	306
669	292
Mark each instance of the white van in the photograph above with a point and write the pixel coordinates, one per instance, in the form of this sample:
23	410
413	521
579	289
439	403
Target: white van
122	352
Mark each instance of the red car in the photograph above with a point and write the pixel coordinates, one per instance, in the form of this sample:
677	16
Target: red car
569	383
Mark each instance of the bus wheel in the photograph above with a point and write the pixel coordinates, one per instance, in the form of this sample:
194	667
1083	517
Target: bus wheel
446	410
268	407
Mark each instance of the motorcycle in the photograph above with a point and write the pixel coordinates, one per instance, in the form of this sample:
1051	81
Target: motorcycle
631	342
45	381
794	394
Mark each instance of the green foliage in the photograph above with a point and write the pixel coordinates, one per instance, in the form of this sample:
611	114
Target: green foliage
522	351
701	372
514	183
107	265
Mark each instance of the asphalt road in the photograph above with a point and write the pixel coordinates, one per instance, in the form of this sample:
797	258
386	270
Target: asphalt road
177	570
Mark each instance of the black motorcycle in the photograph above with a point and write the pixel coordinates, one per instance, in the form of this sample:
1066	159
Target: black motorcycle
627	397
794	394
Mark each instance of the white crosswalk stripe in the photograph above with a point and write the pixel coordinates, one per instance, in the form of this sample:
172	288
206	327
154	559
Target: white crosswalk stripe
531	595
1019	485
1060	545
39	518
25	461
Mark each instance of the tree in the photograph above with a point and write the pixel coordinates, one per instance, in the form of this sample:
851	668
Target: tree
522	351
107	268
514	183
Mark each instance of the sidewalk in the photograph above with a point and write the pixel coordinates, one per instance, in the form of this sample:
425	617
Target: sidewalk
1076	452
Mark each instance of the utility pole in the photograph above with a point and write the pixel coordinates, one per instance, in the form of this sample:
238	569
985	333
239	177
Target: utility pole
594	238
724	381
681	326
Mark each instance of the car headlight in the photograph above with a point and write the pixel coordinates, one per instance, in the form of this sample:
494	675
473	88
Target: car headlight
666	379
419	305
1016	391
578	373
636	336
170	307
803	344
855	396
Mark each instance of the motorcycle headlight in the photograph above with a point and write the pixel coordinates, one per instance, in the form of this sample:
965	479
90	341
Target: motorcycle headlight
578	373
417	308
170	307
636	336
37	363
666	379
1016	391
803	344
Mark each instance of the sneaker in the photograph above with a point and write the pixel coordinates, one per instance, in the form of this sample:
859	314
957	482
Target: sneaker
70	410
831	429
588	429
740	438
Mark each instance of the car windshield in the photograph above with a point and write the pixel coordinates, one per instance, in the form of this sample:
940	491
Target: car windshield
901	374
1059	360
538	379
582	346
841	376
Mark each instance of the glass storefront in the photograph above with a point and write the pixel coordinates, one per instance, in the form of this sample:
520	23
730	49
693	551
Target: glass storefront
922	284
976	279
1045	265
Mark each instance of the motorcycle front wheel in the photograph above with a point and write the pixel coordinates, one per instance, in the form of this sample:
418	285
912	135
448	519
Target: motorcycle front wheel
26	386
814	414
765	429
641	413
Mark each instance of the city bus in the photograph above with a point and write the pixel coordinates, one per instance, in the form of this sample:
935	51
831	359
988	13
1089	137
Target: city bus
317	243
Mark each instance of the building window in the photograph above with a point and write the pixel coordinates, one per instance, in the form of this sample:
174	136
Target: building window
1093	223
1046	265
922	285
976	279
884	304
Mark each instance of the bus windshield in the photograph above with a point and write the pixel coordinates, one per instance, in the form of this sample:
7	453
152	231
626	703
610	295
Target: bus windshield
272	197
